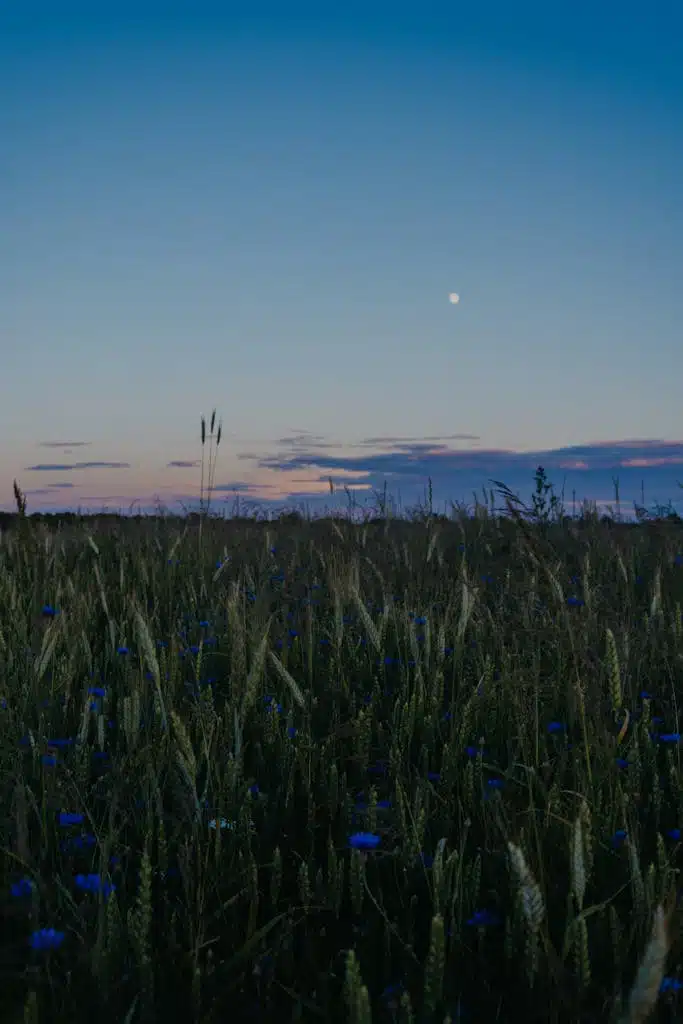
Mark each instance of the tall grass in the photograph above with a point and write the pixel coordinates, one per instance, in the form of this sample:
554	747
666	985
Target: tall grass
318	770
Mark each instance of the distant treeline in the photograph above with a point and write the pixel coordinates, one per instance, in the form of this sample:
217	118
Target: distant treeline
103	520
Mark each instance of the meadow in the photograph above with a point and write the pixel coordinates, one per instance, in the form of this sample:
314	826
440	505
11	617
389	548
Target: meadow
420	769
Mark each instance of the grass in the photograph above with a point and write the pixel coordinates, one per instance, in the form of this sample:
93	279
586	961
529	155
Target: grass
325	771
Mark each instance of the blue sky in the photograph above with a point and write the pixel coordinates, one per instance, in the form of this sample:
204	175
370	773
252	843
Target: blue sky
201	207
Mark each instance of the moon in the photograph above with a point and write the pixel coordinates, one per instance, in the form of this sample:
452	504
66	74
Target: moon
454	298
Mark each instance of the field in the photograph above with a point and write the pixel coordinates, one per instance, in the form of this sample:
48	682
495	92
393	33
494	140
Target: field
325	771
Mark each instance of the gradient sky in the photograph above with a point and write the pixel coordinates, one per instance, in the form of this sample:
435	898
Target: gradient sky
267	214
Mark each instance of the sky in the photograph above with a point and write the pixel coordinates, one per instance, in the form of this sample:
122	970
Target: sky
202	207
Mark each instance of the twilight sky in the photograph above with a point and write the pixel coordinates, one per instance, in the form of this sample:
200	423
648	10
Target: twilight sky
267	213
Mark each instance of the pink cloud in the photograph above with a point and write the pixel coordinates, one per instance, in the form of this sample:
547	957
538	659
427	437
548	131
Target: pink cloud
666	460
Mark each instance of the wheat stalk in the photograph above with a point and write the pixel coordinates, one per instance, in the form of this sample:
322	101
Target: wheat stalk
532	898
578	868
650	973
287	678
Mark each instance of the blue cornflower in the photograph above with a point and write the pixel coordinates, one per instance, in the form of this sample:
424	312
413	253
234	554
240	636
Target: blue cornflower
575	602
122	650
669	737
392	994
555	727
82	842
291	732
24	887
364	841
49	612
94	883
622	762
49	760
674	833
46	938
619	837
66	818
483	919
670	985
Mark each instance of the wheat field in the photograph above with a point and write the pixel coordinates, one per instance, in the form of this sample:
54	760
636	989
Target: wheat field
304	770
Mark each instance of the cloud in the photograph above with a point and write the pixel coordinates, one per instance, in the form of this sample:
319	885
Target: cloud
126	499
340	480
307	445
407	464
63	444
410	457
305	440
668	460
181	464
315	442
61	486
400	441
242	487
629	442
66	467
